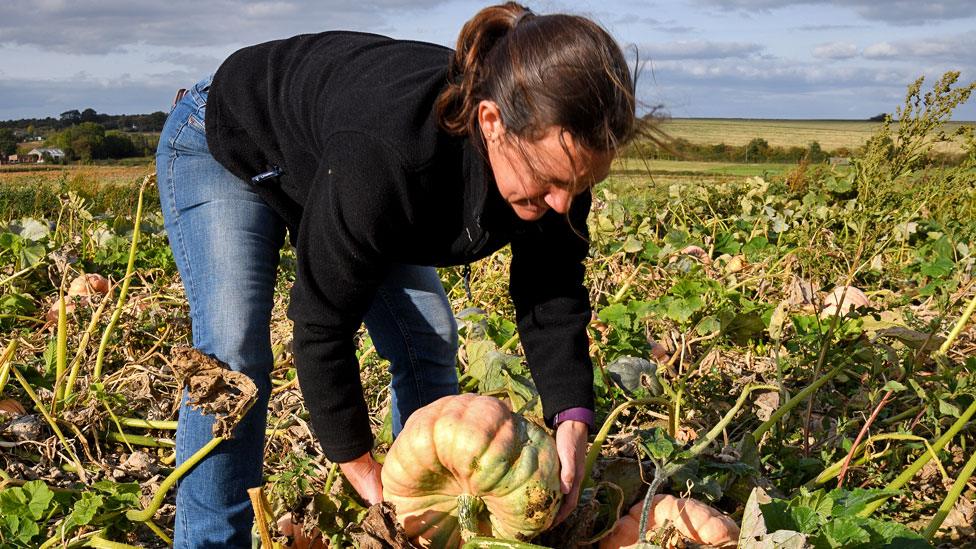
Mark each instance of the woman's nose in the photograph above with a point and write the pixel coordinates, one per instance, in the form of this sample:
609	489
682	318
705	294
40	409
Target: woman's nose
559	199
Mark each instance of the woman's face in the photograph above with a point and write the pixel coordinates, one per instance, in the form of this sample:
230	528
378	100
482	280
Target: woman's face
535	177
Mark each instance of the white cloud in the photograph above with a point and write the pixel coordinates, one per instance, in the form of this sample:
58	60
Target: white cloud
835	50
896	12
881	50
699	49
101	26
956	49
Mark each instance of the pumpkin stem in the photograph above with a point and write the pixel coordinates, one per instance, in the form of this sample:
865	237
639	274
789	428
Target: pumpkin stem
469	507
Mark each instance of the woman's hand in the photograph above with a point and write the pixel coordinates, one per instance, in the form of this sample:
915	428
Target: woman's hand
364	475
571	447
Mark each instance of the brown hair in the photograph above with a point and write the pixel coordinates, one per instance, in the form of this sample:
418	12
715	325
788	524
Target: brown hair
541	71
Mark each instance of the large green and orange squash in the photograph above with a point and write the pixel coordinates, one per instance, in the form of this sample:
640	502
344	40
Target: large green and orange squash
465	465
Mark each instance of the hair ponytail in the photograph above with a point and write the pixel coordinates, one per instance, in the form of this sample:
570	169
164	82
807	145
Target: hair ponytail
457	105
541	71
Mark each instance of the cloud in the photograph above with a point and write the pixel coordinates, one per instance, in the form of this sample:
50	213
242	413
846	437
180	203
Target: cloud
835	50
821	28
881	50
102	26
956	49
896	12
699	49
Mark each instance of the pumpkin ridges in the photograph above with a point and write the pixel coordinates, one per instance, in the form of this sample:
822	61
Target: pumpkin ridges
508	463
693	519
464	429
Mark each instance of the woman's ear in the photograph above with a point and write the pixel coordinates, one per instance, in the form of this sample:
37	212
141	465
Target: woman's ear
490	121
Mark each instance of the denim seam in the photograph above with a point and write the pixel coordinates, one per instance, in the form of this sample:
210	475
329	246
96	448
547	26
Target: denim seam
188	284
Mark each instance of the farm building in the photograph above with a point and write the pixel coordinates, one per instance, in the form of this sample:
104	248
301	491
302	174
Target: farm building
38	155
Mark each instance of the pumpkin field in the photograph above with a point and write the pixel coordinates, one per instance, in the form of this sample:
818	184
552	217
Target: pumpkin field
780	360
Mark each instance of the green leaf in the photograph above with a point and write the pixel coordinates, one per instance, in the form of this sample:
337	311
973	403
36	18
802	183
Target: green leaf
31	229
677	238
725	243
778	516
616	315
17	303
651	252
681	309
820	501
940	268
838	185
39	498
83	511
948	409
850	503
753	248
658	444
894	534
632	245
708	325
894	386
31	255
844	532
805	519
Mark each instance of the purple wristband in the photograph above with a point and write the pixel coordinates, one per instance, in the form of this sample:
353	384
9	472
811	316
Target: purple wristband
584	415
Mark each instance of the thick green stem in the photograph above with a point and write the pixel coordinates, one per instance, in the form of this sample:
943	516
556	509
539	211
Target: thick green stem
147	424
169	481
5	360
604	431
790	404
911	412
50	421
158	531
712	435
957	329
469	507
24	318
492	543
75	367
139	440
914	468
61	353
832	471
124	292
950	501
102	543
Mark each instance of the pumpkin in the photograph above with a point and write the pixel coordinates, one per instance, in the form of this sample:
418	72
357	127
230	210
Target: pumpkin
88	284
852	297
628	372
693	519
698	253
465	465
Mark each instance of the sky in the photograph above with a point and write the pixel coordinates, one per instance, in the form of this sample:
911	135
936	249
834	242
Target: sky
806	59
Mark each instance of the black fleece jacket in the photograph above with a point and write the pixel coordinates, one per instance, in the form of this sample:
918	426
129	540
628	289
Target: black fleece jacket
368	180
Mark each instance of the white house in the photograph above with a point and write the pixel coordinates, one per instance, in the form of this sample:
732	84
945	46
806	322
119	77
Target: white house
37	155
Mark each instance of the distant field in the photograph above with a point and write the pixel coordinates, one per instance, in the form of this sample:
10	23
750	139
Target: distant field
831	134
635	166
39	174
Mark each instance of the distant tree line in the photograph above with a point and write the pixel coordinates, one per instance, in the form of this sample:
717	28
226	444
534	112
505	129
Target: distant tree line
85	135
756	151
152	123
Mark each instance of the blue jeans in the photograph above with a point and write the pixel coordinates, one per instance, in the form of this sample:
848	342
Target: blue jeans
226	242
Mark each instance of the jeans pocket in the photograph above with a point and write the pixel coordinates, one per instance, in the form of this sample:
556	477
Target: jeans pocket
185	130
198	120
